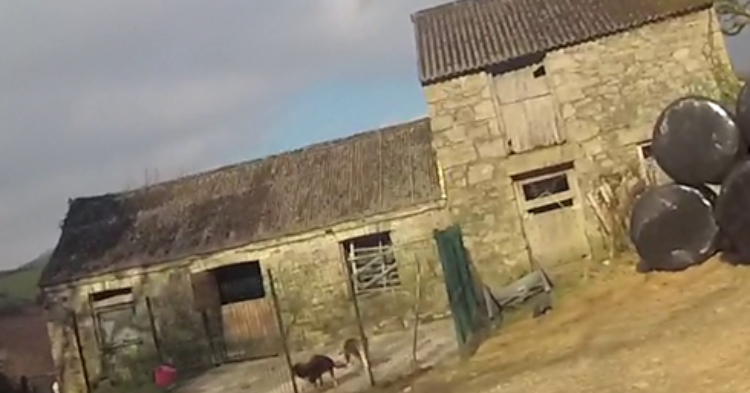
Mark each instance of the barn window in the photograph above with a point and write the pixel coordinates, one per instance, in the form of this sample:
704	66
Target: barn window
115	317
240	282
372	262
645	150
546	189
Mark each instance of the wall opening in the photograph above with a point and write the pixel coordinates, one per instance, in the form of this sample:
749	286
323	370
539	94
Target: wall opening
650	170
539	72
114	317
545	189
239	282
645	150
372	263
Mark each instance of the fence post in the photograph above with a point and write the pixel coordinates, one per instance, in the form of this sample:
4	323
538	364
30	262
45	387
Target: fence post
360	325
154	332
217	354
282	330
79	348
418	300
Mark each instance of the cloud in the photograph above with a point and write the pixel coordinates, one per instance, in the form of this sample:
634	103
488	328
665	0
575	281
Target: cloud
94	93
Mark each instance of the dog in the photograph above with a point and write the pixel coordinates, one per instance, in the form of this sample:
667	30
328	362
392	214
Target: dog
353	349
313	370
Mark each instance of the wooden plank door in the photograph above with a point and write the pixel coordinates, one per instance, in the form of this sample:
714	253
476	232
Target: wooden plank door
552	218
250	329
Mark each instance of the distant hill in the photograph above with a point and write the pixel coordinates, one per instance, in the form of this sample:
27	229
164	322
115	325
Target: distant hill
18	287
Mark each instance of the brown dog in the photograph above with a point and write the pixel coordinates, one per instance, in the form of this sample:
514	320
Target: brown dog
313	370
353	349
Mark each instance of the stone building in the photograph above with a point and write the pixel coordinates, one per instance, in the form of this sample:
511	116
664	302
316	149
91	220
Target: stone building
200	249
537	110
536	104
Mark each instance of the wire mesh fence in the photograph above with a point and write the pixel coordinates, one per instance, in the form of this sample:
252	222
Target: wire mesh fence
377	298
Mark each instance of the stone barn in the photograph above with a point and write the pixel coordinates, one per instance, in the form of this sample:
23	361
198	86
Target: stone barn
538	106
164	266
540	114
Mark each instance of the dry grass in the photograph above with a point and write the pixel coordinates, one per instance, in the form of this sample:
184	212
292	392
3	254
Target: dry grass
679	332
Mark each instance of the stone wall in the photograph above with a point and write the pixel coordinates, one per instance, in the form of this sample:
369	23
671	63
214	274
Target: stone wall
310	279
608	93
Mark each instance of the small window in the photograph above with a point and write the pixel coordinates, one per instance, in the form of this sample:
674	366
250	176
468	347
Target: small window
114	313
372	262
240	282
546	187
111	297
645	149
539	72
117	326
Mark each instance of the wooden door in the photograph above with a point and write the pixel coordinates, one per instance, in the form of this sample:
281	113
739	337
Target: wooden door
552	219
250	329
207	302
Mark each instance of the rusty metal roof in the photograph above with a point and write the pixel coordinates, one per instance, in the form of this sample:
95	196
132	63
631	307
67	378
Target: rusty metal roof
294	192
468	36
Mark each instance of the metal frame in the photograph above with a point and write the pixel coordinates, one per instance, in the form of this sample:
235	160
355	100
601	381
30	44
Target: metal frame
382	255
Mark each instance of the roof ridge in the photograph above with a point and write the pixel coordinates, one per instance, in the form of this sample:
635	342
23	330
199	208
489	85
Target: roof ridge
452	38
438	7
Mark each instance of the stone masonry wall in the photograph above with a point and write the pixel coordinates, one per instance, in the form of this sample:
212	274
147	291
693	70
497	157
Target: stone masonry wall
608	93
310	281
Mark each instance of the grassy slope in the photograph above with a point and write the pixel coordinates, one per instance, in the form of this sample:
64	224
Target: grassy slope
20	286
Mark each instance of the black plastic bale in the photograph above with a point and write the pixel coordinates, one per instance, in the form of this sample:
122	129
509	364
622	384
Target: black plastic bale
743	111
673	227
733	210
696	141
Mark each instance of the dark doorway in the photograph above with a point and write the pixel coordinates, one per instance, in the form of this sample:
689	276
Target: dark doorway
240	282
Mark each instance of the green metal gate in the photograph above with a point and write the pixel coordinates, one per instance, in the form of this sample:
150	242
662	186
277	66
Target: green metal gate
461	287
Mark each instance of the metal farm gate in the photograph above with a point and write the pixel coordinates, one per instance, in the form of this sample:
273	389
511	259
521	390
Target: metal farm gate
463	293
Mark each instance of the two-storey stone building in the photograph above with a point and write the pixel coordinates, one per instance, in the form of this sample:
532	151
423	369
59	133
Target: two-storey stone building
533	102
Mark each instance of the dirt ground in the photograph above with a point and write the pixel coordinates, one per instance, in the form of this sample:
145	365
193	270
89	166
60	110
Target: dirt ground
391	357
663	332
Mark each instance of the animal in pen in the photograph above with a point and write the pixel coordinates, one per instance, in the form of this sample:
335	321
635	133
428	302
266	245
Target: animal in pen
313	370
353	349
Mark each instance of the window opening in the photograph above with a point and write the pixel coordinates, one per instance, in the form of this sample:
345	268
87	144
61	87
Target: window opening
239	282
546	187
372	262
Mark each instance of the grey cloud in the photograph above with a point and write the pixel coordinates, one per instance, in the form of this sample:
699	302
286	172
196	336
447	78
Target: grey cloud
93	93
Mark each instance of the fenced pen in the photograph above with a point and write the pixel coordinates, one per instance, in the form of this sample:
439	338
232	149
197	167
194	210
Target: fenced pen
391	299
387	297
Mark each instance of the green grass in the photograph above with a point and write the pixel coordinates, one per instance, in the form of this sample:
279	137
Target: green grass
19	287
21	284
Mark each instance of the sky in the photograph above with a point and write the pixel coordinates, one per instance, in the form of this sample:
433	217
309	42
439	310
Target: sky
101	96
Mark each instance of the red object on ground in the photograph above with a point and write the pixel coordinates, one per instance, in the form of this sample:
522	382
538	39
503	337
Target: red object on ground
165	376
